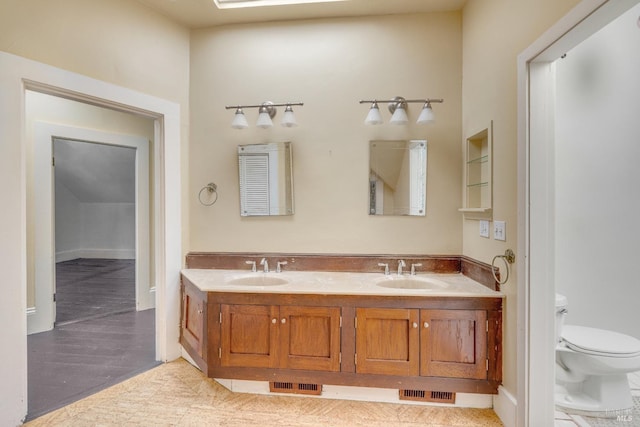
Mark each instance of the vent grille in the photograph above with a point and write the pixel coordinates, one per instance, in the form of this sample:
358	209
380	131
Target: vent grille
428	396
295	388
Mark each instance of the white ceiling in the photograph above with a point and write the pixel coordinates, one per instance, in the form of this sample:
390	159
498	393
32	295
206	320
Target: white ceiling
204	13
96	173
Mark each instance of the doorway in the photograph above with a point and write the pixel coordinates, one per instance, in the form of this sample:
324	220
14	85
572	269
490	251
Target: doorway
95	229
16	75
93	255
100	188
571	146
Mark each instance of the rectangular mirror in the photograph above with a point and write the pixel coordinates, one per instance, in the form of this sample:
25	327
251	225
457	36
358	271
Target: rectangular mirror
266	179
397	177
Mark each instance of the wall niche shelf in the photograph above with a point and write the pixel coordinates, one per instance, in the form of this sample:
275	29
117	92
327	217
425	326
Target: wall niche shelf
478	174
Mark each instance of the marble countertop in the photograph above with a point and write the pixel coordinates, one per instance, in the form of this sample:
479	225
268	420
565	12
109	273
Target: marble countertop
313	282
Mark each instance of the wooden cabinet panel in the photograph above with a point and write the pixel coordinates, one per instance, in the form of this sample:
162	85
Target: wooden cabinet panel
249	336
310	338
193	320
453	343
387	341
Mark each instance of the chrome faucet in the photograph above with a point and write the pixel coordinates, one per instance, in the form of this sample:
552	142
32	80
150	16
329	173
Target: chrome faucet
279	266
265	264
413	268
253	265
401	264
386	267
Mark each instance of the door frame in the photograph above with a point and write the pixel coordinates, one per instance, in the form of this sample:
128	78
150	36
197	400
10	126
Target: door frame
536	288
18	74
42	316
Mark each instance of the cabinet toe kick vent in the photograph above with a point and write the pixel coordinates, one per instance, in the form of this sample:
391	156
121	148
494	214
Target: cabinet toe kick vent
296	388
428	396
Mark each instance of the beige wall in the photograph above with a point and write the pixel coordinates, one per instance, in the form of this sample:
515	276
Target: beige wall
494	33
329	64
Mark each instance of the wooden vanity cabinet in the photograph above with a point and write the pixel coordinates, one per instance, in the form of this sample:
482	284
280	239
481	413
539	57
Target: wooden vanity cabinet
287	337
193	321
449	344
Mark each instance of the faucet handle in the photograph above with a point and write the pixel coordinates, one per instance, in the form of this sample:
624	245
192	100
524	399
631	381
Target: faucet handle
413	268
253	265
279	264
386	267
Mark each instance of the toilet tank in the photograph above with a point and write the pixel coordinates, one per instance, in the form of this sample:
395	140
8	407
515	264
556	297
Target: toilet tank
561	313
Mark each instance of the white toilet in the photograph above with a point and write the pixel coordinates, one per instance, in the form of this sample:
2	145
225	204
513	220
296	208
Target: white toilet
592	366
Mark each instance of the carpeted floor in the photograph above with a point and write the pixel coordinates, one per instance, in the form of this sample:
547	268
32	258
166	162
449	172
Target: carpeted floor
177	394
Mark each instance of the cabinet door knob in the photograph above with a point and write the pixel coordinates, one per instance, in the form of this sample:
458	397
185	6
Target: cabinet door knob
273	321
415	325
426	324
200	311
283	321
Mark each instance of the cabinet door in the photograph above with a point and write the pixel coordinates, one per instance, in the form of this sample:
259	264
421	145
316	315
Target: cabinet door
310	338
453	343
387	341
193	319
249	336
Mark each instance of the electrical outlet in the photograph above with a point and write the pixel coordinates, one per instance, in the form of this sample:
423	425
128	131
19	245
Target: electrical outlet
500	230
484	228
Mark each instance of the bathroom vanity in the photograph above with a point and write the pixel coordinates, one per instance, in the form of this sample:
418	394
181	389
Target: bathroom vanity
424	333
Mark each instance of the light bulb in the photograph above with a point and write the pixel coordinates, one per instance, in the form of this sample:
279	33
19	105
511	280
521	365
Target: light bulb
426	115
288	119
239	120
373	117
264	121
399	116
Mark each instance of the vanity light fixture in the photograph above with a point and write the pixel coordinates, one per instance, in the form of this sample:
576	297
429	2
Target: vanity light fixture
266	112
398	107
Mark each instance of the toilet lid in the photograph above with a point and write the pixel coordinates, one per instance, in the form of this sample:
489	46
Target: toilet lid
599	341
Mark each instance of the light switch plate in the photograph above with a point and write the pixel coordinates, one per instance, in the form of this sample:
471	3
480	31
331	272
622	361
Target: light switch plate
500	230
484	228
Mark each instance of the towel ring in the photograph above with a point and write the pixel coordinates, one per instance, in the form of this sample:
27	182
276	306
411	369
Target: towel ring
211	188
509	258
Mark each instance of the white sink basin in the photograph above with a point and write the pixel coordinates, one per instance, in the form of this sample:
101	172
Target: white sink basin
412	283
258	280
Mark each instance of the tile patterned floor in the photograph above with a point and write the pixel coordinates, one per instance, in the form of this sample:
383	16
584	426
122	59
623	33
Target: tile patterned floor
177	394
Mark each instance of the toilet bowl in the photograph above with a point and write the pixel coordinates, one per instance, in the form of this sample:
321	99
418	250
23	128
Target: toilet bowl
592	366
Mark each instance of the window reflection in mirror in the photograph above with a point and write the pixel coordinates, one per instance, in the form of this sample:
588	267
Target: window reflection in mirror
266	179
397	177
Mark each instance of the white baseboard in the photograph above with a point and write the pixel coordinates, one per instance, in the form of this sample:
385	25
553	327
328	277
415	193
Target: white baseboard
505	406
95	253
